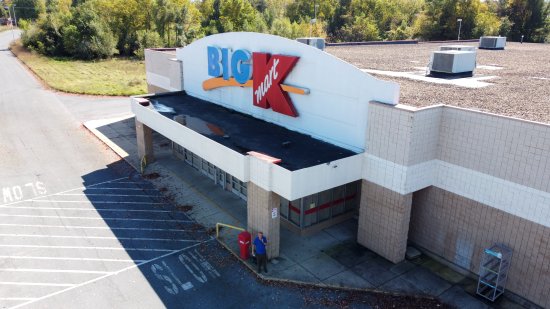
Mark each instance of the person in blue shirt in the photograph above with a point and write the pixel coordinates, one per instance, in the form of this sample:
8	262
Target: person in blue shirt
259	248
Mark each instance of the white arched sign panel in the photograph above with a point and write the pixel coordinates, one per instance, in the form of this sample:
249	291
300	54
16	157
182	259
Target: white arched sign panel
285	82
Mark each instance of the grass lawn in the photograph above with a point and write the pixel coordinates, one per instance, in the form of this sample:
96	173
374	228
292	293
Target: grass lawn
4	28
114	77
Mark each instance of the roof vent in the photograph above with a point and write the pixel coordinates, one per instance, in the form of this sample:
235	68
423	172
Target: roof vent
458	47
286	144
452	63
492	42
314	42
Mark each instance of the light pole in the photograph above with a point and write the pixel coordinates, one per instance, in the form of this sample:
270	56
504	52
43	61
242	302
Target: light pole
14	18
314	20
459	27
11	22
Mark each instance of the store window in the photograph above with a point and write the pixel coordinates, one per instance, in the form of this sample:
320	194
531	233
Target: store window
220	177
295	211
238	187
322	206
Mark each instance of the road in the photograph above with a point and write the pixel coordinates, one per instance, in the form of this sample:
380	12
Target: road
80	228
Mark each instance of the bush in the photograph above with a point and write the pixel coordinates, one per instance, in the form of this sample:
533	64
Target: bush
23	24
45	36
87	36
363	29
147	39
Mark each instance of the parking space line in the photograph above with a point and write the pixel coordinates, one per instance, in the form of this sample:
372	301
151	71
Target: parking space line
31	199
95	202
96	227
37	284
111	274
129	189
17	298
17	257
40	270
85	247
97	237
134	182
113	195
96	218
90	209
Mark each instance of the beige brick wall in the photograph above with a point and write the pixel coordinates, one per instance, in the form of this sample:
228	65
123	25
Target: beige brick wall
425	135
260	204
384	221
403	135
458	229
506	148
389	132
511	149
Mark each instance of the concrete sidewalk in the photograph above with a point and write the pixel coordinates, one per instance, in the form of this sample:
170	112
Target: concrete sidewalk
331	257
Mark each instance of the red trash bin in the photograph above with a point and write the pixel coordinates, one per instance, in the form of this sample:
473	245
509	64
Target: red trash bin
244	244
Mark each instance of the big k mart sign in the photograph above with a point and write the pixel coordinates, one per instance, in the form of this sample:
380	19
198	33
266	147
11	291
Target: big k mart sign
285	82
264	72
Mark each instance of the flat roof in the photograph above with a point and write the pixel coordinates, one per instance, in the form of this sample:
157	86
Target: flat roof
518	77
244	133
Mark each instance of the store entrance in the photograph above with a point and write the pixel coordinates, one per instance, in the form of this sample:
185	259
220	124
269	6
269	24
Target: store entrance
223	179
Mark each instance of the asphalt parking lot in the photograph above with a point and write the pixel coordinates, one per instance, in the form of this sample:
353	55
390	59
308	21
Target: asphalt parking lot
59	241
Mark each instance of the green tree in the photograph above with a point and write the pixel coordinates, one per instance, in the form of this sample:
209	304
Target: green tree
528	18
188	24
147	39
301	10
88	36
239	15
486	22
3	12
363	28
282	27
28	9
124	18
45	35
438	20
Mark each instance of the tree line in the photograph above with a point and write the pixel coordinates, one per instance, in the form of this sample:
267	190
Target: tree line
90	29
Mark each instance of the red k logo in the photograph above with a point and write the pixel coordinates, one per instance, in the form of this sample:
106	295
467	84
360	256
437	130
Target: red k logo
268	74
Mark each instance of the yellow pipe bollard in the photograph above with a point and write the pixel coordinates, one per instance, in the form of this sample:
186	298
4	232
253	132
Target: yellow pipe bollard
226	225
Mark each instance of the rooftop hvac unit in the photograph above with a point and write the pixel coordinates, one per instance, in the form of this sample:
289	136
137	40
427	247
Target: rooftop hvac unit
452	63
492	42
458	47
315	42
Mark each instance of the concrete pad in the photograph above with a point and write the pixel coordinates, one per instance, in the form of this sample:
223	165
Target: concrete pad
295	272
426	281
322	266
402	267
443	271
459	298
283	263
297	250
344	231
400	285
348	279
321	241
350	254
376	271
